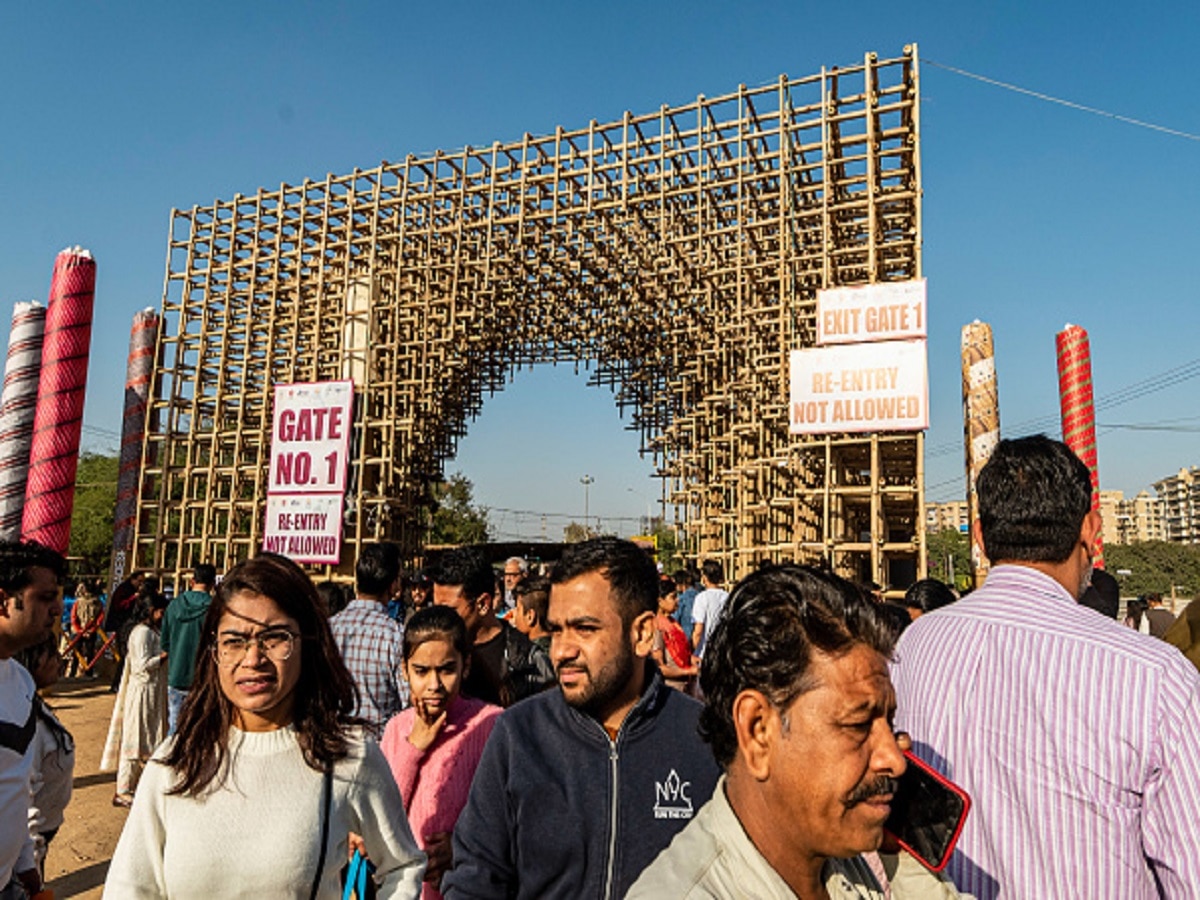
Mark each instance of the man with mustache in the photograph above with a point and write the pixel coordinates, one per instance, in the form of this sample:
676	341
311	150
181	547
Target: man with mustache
798	710
579	788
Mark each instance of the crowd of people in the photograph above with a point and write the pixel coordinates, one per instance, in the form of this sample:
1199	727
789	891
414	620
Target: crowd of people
604	730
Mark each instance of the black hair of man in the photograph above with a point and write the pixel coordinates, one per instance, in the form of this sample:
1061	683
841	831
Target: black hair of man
377	568
18	559
628	569
775	621
205	575
1103	594
534	594
468	568
929	594
683	579
713	571
1034	494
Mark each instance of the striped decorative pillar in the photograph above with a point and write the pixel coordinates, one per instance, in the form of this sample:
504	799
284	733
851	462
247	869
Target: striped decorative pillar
1078	411
54	456
981	422
143	341
17	407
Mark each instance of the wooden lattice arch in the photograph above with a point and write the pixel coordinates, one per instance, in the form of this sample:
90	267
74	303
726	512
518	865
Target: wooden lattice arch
679	251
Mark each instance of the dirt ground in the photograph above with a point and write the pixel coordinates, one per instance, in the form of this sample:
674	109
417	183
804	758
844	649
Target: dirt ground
79	856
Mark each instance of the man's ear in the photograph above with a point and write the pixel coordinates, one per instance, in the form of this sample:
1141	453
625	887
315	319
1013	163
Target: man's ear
1089	533
483	603
641	634
756	722
977	536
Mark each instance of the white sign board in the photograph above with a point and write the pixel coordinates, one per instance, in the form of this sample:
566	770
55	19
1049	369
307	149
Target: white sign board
310	443
306	528
859	387
310	437
889	311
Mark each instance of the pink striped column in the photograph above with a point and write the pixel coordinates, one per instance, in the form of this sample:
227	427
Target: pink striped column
143	339
17	407
1078	410
54	456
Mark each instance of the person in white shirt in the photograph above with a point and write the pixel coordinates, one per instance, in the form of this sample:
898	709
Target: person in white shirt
708	605
266	777
30	604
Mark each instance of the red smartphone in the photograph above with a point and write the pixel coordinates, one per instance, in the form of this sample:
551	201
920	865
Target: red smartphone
928	813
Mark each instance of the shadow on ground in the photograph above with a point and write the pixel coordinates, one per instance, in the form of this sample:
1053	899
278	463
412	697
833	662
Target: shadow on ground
81	880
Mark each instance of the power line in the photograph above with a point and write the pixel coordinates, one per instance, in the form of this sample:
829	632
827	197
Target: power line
1155	383
1174	132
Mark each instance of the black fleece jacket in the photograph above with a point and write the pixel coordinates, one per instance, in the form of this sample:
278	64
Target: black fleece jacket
557	810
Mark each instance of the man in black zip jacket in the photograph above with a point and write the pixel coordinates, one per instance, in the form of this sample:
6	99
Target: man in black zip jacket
580	788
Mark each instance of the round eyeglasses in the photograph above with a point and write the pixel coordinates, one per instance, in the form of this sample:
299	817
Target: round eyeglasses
275	643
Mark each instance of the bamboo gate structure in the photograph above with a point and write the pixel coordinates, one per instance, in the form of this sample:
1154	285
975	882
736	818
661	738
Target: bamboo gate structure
677	252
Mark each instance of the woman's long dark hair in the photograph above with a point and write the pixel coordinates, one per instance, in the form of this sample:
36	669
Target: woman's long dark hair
325	696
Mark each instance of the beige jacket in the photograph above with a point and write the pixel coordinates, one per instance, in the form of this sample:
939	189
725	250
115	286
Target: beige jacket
713	858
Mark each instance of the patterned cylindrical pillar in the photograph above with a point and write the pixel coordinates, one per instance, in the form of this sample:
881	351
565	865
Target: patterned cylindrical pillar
1078	410
981	422
143	340
17	407
54	456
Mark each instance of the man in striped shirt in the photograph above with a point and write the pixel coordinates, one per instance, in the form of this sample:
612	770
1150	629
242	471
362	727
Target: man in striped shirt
1075	736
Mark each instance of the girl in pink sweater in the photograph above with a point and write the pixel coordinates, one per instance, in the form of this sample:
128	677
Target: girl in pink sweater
434	746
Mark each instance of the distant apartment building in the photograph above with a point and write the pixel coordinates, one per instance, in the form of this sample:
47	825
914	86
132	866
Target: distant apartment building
1180	496
951	514
1133	520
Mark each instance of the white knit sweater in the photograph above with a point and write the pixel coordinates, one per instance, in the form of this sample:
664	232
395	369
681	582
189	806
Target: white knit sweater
257	834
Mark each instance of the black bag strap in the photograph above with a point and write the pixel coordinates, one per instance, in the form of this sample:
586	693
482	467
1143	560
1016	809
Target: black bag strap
326	803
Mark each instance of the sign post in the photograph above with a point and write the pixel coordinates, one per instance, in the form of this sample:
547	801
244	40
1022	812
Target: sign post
310	445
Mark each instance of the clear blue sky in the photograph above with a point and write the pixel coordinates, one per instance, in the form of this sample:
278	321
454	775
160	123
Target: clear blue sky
1035	215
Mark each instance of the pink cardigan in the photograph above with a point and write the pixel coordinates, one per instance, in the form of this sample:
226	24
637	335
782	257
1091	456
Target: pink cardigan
434	783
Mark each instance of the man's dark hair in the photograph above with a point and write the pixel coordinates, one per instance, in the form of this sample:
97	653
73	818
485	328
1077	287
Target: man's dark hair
713	571
377	568
468	568
683	579
18	559
534	594
774	621
1103	595
205	574
1033	496
929	594
628	569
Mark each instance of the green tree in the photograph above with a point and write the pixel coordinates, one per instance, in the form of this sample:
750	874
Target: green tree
92	517
949	555
667	541
456	519
1154	566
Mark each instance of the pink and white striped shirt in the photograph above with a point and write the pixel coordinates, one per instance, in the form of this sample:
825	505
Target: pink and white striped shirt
1077	738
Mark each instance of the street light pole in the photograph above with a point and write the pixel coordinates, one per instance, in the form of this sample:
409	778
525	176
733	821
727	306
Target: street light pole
587	481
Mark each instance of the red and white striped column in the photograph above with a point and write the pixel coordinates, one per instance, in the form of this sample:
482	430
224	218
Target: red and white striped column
1078	409
18	404
54	455
143	341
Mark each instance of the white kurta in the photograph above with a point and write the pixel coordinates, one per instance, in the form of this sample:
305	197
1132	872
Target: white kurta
139	721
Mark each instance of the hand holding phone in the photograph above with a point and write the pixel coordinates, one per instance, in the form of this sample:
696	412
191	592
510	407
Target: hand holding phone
928	813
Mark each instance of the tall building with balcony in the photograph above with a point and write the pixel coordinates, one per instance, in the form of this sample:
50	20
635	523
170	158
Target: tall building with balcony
1133	520
954	514
1180	496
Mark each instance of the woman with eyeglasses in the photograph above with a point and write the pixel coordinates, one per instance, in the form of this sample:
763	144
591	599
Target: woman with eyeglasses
257	792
